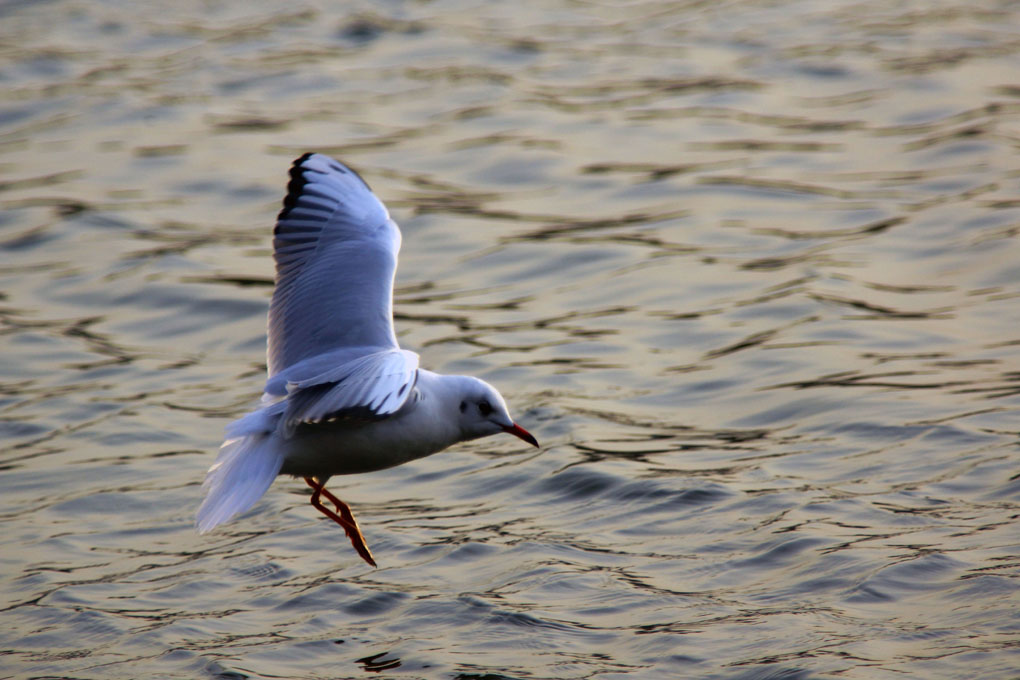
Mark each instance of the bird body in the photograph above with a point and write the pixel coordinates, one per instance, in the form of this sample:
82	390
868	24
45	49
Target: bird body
341	396
420	428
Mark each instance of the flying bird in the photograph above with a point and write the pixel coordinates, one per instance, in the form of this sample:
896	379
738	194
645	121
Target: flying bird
341	396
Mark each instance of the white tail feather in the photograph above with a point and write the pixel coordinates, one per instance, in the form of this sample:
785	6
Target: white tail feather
246	466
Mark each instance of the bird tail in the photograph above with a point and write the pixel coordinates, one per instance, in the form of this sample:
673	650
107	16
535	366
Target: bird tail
248	462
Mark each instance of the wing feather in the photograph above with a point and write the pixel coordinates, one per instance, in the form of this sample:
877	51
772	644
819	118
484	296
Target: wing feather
336	249
372	386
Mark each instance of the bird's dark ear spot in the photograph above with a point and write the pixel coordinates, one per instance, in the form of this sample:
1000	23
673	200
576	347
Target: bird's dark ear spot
463	406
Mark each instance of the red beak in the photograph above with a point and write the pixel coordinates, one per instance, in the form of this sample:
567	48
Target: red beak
519	431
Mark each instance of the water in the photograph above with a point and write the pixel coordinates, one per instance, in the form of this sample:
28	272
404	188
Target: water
747	270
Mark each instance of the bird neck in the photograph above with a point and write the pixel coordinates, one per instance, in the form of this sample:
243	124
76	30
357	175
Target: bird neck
440	397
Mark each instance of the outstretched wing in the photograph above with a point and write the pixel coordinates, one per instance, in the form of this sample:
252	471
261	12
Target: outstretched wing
335	248
372	386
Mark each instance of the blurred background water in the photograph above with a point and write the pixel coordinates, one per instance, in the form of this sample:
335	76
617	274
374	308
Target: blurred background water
749	270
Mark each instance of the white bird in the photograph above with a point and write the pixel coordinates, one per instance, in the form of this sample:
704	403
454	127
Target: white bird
341	396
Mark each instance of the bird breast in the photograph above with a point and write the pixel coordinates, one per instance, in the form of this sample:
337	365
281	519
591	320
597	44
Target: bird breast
345	447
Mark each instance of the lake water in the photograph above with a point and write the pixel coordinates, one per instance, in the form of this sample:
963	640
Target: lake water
750	271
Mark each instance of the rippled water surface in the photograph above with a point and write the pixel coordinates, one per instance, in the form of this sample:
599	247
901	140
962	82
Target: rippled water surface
748	270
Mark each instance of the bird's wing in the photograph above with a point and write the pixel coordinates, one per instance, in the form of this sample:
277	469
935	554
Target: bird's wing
370	387
335	248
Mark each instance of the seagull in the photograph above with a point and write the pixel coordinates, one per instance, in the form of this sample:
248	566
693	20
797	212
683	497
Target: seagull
341	396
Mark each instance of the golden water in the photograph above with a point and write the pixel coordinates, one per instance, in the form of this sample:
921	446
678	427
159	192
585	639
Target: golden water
748	270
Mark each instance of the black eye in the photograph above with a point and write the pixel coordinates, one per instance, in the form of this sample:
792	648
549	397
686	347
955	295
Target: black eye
463	406
484	407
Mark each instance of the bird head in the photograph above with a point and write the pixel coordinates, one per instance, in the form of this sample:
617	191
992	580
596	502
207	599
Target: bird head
481	411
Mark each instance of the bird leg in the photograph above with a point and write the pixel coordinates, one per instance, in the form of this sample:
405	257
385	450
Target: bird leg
344	519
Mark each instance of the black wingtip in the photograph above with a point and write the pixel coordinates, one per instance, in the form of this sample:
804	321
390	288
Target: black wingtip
295	186
297	182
